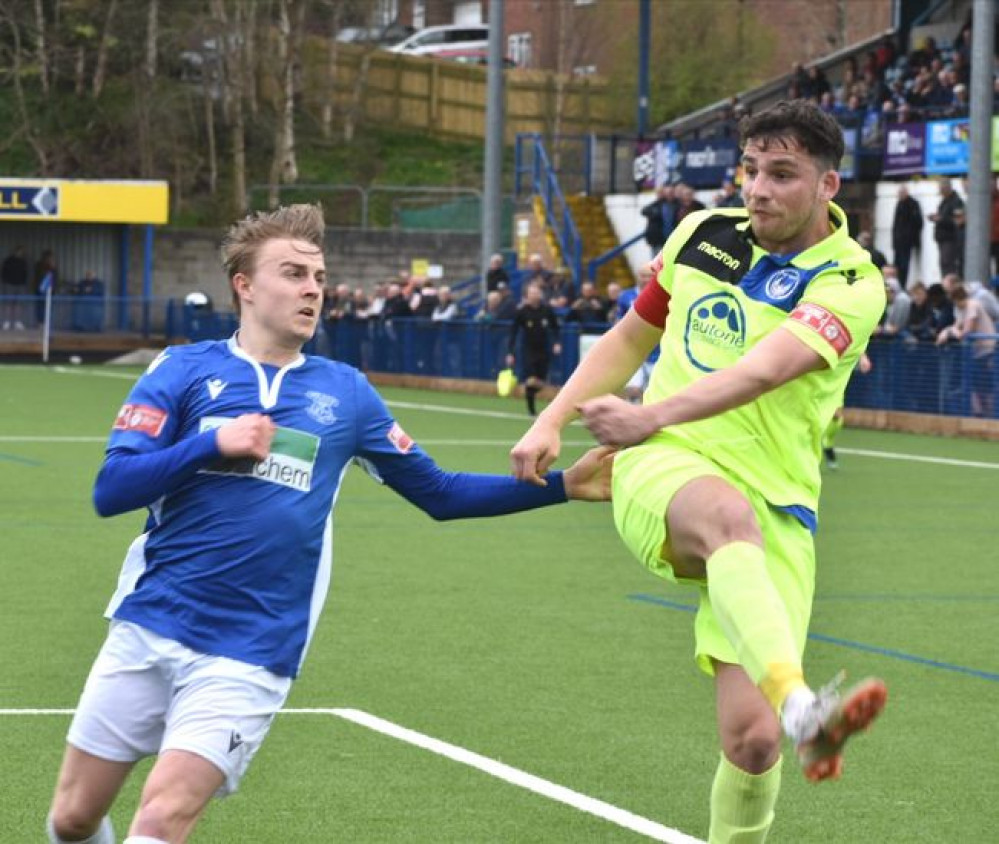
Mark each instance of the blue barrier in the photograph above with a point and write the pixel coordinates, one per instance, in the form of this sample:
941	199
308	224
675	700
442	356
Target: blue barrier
458	348
918	377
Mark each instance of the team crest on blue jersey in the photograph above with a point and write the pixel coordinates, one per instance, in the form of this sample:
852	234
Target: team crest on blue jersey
716	327
782	283
322	406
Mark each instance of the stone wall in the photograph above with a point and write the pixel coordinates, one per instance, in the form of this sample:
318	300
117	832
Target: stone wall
188	259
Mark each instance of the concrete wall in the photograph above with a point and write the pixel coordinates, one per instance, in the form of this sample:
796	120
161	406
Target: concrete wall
925	265
188	259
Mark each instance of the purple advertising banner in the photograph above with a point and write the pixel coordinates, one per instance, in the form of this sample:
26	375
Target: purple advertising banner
905	149
644	166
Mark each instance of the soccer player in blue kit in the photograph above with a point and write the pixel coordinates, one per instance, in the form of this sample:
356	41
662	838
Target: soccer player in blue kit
238	448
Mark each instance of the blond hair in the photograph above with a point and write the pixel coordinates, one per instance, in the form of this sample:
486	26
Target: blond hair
245	237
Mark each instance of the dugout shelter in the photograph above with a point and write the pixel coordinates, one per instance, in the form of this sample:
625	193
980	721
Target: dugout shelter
89	225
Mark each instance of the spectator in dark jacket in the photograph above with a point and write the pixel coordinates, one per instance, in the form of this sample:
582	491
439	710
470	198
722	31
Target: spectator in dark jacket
945	228
906	231
13	285
867	241
496	274
660	217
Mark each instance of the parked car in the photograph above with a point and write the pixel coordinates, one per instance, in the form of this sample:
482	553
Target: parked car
432	40
477	56
386	36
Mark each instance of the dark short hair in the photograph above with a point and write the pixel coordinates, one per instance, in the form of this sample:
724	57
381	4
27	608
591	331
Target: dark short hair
817	132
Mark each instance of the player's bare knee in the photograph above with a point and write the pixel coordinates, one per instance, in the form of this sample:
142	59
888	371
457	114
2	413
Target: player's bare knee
721	520
754	746
733	520
72	819
165	816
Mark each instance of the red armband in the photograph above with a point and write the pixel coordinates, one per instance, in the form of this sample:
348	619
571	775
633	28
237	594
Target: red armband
652	304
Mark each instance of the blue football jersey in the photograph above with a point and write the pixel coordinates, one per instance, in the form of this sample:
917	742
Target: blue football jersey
236	558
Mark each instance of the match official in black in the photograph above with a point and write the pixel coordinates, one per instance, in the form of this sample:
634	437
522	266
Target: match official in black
539	325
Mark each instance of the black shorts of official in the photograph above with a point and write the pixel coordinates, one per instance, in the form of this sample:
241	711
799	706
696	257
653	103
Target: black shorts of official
536	366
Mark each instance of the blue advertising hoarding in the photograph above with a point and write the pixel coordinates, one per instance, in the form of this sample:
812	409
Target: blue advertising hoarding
948	150
848	166
707	163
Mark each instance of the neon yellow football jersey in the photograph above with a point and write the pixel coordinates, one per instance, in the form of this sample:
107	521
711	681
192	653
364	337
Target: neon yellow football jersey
726	294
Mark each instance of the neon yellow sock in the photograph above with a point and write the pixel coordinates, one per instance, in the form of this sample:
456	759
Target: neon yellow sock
752	616
832	430
742	804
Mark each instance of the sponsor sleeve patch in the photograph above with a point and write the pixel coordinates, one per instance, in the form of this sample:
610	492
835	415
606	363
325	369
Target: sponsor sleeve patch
402	441
142	418
825	323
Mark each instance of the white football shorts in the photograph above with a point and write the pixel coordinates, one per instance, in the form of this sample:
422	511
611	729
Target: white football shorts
147	694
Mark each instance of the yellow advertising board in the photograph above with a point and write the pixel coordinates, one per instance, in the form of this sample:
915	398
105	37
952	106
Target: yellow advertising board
84	201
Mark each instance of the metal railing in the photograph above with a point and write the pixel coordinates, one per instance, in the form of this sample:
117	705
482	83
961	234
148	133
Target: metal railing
544	183
593	266
354	206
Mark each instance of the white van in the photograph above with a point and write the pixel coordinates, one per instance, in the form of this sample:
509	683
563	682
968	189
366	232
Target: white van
434	39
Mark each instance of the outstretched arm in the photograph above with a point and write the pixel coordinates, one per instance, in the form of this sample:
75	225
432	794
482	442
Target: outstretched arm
775	360
445	495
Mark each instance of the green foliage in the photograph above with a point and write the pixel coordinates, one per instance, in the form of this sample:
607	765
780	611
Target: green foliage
160	130
700	53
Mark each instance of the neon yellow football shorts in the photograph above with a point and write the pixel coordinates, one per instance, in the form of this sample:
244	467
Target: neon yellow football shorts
647	476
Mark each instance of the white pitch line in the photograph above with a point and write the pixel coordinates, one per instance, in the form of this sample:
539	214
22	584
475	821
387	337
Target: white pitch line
14	439
500	770
515	776
37	711
859	452
73	370
499	414
920	458
461	411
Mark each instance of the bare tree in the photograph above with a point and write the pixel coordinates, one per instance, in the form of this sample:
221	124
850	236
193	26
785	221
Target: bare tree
101	66
27	128
236	73
575	40
284	168
147	90
250	58
79	68
224	44
41	47
208	97
152	34
353	112
332	55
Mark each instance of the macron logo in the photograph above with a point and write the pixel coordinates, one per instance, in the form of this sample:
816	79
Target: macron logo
215	387
718	254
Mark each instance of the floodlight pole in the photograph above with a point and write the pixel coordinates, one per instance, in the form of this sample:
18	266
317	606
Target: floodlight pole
492	197
980	180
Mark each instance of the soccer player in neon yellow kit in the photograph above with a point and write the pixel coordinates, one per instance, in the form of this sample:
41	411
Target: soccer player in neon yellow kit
769	309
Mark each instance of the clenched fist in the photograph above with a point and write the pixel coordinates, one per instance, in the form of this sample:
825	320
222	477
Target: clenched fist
248	435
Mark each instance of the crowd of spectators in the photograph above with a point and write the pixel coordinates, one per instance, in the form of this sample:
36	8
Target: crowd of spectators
884	86
888	86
